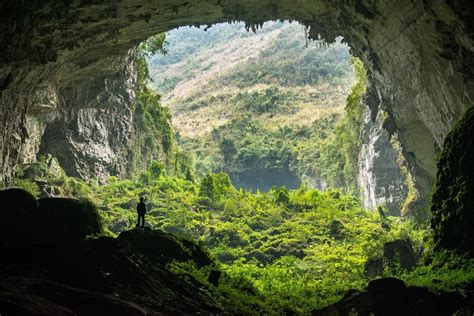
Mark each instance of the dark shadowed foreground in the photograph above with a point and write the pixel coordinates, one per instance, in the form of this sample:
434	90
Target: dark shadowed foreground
52	264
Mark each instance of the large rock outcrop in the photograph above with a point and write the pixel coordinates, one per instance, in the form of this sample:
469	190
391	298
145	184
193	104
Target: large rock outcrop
103	276
390	296
48	267
453	198
26	220
380	174
95	133
418	55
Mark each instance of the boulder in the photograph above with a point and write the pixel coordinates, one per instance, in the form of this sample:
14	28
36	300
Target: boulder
400	252
259	256
26	220
119	225
214	277
164	247
390	296
373	268
60	219
19	209
389	293
397	254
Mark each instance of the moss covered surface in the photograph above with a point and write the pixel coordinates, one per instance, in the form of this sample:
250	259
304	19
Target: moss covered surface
453	199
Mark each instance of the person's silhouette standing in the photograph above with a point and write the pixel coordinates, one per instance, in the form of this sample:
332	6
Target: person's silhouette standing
141	210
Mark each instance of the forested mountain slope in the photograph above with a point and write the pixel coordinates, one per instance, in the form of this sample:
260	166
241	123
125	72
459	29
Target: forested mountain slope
246	102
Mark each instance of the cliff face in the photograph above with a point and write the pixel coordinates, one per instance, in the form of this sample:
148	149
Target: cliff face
380	178
418	55
93	136
89	123
453	200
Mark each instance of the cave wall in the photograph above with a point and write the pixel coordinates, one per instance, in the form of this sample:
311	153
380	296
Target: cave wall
381	180
453	197
89	122
95	133
418	54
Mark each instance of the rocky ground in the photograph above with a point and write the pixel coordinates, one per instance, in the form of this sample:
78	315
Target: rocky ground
69	274
123	276
390	296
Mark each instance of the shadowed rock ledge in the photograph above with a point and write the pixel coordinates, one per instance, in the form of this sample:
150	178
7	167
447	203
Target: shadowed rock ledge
45	273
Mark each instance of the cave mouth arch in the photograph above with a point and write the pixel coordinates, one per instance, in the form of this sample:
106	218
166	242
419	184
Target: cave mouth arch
57	56
405	47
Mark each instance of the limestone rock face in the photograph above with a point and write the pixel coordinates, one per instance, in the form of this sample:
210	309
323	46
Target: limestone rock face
95	133
380	176
418	54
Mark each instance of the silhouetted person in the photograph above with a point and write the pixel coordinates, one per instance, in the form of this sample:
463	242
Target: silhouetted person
141	210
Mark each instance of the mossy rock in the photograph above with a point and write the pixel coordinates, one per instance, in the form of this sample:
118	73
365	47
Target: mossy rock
400	253
453	198
61	219
164	247
18	211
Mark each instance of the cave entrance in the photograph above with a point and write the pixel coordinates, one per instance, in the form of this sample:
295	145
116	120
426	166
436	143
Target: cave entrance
258	105
274	108
418	56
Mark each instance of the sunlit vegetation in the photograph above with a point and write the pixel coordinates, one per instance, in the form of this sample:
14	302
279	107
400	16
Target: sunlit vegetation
298	249
325	149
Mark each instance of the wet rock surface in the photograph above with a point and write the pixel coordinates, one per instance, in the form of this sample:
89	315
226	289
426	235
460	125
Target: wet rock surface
397	254
380	176
400	252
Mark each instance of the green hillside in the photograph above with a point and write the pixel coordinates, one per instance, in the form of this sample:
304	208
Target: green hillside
245	103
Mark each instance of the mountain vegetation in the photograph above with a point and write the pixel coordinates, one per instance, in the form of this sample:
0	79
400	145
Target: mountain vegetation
241	106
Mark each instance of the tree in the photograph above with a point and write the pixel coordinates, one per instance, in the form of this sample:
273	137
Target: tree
215	186
280	195
228	149
157	169
147	48
208	188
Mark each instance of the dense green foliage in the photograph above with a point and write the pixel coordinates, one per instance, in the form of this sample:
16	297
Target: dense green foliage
155	120
283	249
339	152
306	67
156	142
298	249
